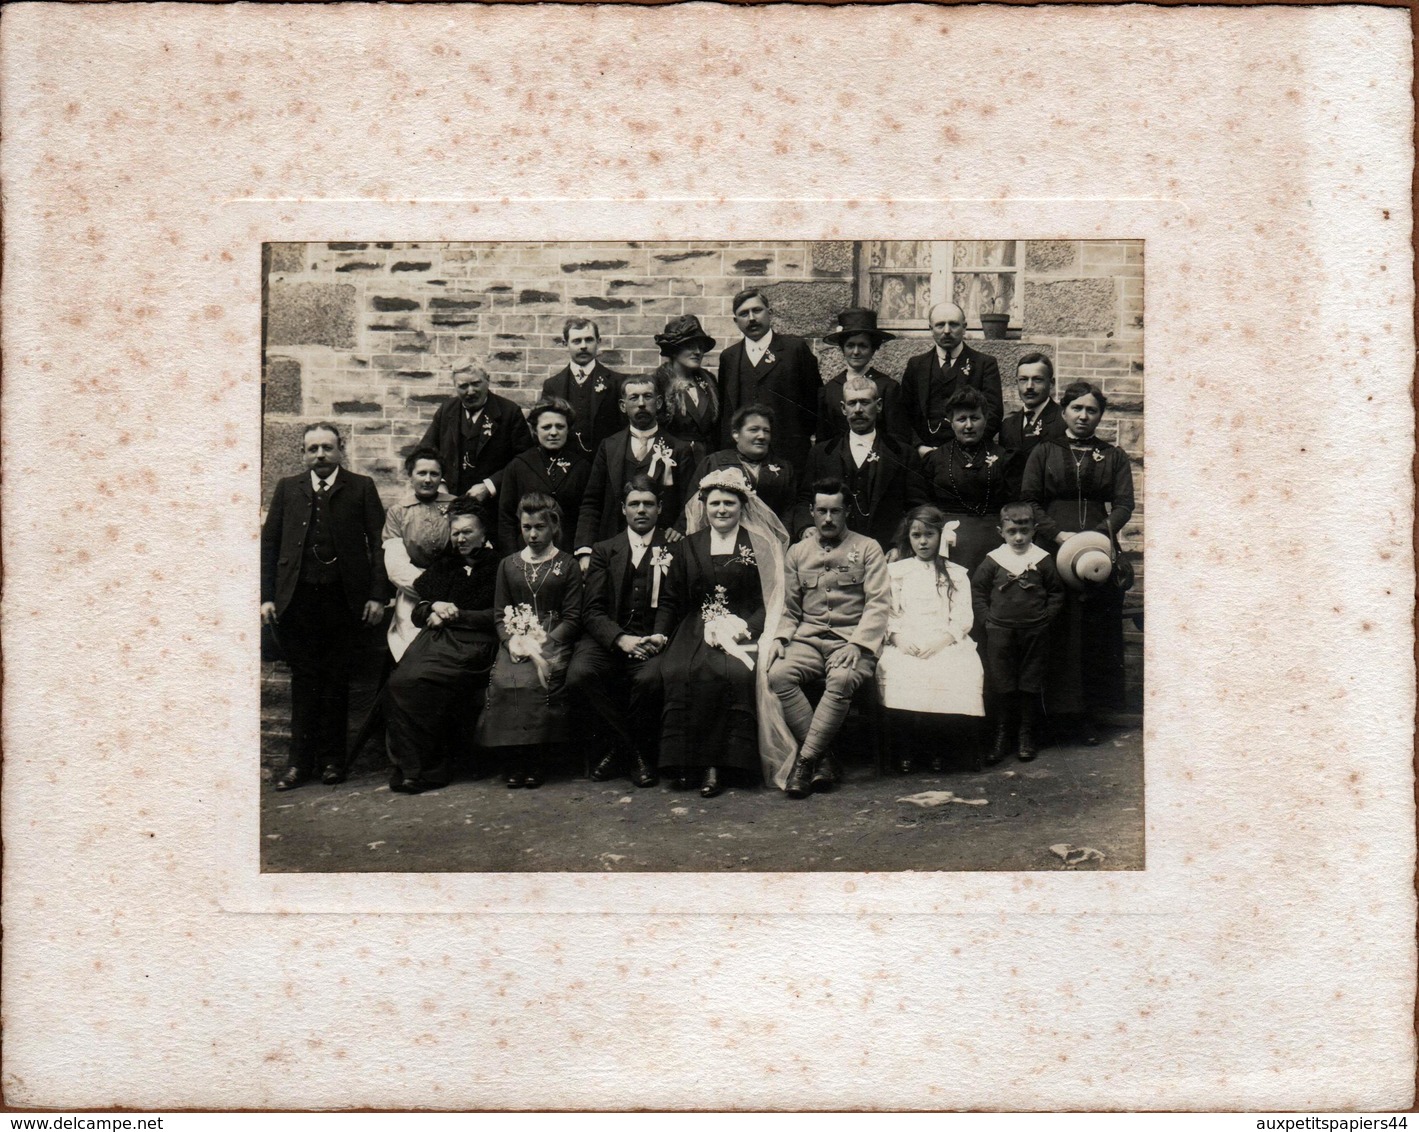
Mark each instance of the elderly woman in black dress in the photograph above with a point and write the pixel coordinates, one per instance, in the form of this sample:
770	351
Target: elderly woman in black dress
723	589
445	667
1081	483
537	610
689	390
554	468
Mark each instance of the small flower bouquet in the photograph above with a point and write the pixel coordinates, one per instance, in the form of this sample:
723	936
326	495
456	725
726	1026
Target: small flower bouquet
526	636
723	630
746	557
990	459
562	464
660	453
600	386
487	426
872	457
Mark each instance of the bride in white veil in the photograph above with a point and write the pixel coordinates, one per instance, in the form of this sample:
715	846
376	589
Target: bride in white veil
770	540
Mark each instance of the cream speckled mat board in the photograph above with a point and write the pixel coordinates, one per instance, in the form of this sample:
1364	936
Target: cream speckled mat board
1264	958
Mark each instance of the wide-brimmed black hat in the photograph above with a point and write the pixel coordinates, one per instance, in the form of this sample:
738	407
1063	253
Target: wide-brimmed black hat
858	320
681	331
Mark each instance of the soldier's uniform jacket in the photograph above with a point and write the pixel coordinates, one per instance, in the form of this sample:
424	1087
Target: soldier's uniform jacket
843	592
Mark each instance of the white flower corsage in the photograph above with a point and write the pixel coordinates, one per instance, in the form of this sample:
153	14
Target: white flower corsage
660	560
854	558
990	459
660	453
774	468
872	458
600	386
1098	456
746	557
769	358
723	630
966	368
565	465
1038	429
487	426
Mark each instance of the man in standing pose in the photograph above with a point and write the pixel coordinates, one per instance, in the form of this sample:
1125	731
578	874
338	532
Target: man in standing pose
587	386
322	575
932	377
768	368
476	433
1040	418
837	599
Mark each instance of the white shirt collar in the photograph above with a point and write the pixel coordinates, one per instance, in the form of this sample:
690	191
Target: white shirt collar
640	542
579	375
643	435
1031	418
756	350
315	480
945	358
475	415
724	543
860	446
1014	563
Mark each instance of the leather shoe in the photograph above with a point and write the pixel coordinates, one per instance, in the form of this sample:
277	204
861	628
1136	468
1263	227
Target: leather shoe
800	778
419	785
937	764
514	780
642	773
291	779
331	776
1003	737
605	770
827	774
396	781
533	778
711	787
904	766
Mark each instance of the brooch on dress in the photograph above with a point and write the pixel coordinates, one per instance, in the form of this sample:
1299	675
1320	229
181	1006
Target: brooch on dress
1098	456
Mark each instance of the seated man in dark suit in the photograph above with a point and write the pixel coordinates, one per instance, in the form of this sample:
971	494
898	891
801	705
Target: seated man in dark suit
773	369
882	476
587	386
773	480
476	433
640	448
322	575
932	377
615	671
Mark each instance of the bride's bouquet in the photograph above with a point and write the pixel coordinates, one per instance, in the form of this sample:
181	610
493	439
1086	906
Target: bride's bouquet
723	630
526	636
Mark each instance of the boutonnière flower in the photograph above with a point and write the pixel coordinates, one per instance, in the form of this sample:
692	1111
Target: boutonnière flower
1098	456
769	358
774	468
600	386
487	426
966	368
990	459
872	458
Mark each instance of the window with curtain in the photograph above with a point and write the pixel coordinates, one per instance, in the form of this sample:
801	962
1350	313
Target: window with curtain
902	279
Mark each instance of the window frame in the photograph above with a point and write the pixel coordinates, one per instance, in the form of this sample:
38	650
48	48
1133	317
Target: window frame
941	279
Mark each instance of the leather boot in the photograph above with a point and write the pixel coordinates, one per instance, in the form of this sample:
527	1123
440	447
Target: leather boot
642	771
605	770
711	787
1029	708
1003	734
826	774
800	778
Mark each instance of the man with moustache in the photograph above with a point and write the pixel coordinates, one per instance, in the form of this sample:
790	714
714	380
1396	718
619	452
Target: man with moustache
322	576
1040	418
773	480
881	476
773	369
837	599
932	377
476	433
587	386
615	670
641	448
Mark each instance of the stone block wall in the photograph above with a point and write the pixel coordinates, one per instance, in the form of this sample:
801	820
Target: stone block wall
366	333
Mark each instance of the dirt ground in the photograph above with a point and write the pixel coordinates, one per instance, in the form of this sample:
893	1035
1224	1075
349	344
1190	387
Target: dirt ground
1077	795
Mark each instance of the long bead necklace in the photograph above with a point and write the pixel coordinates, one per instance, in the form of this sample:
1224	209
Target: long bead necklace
1080	455
974	509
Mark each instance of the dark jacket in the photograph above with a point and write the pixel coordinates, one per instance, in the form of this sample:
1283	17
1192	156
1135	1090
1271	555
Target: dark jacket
601	613
777	484
789	386
501	434
606	410
891	419
897	486
527	472
357	520
601	516
1014	437
979	371
447	580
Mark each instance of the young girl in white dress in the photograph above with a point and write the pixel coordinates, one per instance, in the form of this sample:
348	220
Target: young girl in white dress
929	668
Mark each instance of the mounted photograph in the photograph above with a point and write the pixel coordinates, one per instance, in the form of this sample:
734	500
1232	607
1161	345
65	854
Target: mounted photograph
702	556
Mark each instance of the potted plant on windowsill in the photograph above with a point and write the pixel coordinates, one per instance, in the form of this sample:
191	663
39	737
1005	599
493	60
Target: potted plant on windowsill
993	324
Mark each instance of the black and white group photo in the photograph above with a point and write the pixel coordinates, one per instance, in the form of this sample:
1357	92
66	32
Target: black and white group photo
698	556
